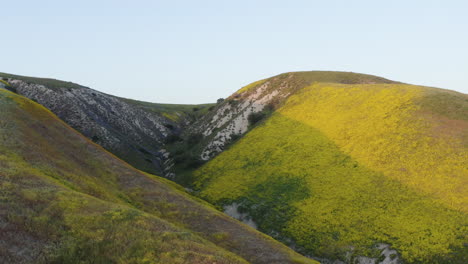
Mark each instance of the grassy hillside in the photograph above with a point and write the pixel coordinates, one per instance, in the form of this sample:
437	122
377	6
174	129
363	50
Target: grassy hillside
341	167
66	200
309	77
135	131
175	112
290	82
172	111
227	121
5	83
51	83
340	77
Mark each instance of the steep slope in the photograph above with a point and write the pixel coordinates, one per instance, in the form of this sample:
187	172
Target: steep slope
231	118
348	169
63	199
134	131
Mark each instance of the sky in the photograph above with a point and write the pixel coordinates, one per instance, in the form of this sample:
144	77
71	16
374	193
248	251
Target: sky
198	51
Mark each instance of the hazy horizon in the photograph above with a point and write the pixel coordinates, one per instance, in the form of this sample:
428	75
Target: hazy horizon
190	53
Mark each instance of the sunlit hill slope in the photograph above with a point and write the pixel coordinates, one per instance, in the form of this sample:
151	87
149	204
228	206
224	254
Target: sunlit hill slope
338	168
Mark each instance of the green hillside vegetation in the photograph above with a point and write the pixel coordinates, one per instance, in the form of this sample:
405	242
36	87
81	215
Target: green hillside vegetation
347	165
302	79
251	86
66	200
51	83
171	111
174	111
340	77
187	151
5	83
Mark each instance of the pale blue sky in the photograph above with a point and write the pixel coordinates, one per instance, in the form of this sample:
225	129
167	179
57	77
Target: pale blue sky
198	51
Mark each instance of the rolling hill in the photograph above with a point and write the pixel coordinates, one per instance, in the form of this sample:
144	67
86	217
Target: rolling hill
135	131
64	199
343	165
229	118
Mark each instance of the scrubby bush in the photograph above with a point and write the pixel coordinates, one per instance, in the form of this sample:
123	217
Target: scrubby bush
194	138
235	137
7	85
233	102
255	117
172	138
194	163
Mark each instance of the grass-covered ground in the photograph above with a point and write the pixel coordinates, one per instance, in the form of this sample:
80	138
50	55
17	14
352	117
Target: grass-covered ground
64	199
187	152
174	112
348	161
342	166
141	151
51	83
5	83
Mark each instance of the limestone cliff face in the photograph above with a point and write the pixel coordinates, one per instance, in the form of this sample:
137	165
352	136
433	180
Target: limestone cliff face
130	132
